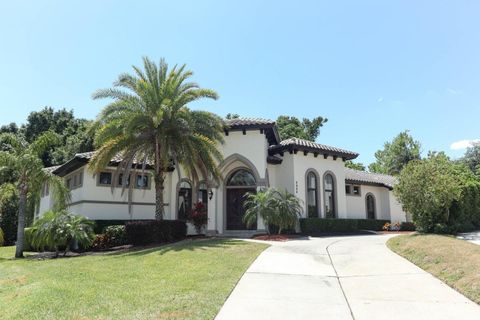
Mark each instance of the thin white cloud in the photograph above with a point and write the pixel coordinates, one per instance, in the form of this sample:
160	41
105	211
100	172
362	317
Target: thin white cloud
464	144
454	91
380	100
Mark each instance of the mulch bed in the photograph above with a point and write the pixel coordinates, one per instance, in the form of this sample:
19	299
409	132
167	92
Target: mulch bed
276	237
395	232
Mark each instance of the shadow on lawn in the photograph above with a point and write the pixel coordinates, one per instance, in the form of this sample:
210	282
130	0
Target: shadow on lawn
189	244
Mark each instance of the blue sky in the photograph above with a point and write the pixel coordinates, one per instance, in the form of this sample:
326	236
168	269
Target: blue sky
373	68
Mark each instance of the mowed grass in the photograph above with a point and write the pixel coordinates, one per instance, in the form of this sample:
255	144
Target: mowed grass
186	280
454	261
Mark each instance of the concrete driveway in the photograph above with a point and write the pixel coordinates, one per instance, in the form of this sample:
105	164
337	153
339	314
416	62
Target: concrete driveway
473	237
355	277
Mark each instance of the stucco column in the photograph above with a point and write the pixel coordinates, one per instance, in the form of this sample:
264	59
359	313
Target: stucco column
260	224
212	211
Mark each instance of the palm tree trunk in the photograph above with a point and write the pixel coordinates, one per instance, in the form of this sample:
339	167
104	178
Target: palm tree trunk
21	221
159	205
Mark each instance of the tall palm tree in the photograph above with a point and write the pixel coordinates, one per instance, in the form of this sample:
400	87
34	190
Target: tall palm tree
24	161
149	122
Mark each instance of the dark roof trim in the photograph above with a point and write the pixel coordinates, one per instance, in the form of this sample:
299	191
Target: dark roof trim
274	160
293	145
266	126
376	184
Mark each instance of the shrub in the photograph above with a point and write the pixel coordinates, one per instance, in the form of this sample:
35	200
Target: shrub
279	210
100	242
407	226
1	237
100	225
116	235
198	217
316	225
155	231
60	229
9	213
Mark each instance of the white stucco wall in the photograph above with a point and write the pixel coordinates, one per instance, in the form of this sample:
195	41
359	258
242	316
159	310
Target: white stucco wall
396	210
356	205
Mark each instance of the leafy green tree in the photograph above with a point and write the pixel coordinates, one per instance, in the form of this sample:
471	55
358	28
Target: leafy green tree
472	158
354	165
9	128
307	129
61	229
427	188
9	212
277	208
149	120
232	116
2	239
396	154
73	133
23	158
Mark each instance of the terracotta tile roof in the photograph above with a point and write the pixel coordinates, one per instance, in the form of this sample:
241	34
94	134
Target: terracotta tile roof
241	122
368	177
305	145
116	159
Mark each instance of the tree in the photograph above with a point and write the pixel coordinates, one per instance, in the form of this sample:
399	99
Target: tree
472	157
396	154
307	129
277	208
354	165
230	116
61	229
23	158
427	189
149	122
73	133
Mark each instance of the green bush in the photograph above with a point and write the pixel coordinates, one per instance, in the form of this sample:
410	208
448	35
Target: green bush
100	225
316	225
155	231
407	226
60	229
27	244
1	237
116	235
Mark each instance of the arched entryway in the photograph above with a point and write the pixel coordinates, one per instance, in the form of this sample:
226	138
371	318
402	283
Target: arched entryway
370	206
237	185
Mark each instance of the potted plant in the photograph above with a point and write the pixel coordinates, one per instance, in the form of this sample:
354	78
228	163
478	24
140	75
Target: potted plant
199	217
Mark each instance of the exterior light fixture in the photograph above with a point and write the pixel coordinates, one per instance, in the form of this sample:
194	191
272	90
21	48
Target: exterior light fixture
210	194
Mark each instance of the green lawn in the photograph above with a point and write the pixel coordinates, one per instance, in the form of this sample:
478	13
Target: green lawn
454	261
186	280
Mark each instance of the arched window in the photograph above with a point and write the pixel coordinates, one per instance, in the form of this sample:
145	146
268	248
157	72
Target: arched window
184	199
202	193
312	192
329	196
241	178
370	205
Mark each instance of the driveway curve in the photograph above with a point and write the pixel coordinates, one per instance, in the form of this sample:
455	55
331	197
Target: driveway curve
354	277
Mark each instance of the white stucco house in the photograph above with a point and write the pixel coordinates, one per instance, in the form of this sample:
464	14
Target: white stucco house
254	157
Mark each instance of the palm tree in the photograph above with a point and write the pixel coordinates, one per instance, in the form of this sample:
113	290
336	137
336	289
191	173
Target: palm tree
24	161
277	208
149	122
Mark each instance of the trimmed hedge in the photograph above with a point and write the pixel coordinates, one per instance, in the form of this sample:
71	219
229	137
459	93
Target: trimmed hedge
316	225
155	231
100	225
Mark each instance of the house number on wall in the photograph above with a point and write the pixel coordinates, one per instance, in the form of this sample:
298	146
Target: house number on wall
296	186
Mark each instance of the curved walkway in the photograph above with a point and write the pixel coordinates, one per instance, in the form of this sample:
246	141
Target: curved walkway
354	277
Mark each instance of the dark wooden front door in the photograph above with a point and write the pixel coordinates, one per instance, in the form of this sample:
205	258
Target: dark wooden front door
235	209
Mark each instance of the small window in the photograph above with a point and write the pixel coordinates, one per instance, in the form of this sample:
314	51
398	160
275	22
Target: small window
348	189
105	178
141	181
356	190
75	181
202	195
80	179
120	180
47	189
68	183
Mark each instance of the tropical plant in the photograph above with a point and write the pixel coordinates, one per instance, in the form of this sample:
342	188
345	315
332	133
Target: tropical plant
149	123
23	159
62	230
277	208
198	216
